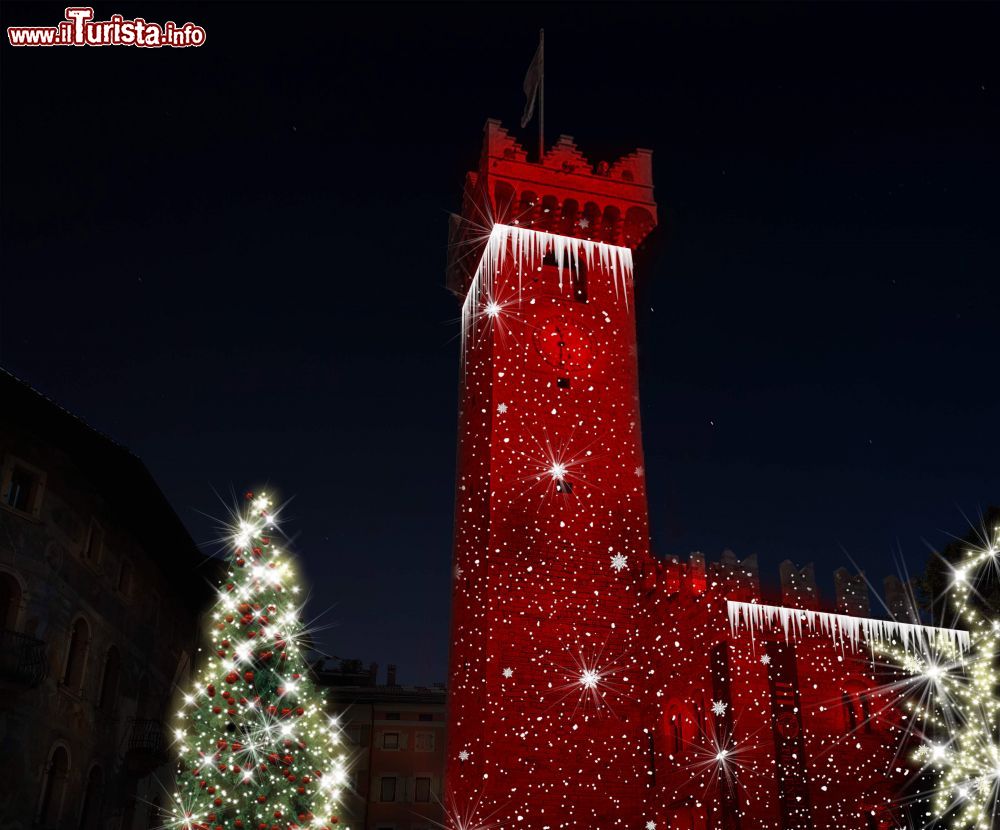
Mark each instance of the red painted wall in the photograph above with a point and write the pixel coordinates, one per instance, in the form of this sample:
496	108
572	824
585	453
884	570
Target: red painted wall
574	652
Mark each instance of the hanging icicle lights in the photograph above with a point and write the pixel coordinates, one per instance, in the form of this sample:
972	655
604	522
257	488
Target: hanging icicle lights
527	249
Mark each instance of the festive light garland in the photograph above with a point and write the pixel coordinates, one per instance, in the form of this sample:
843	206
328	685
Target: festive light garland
256	748
953	700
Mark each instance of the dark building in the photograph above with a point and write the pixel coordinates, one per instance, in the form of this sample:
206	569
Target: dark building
395	737
100	597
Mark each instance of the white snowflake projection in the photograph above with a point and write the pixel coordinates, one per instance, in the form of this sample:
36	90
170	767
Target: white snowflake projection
765	659
508	673
463	756
640	472
585	223
458	572
650	825
502	408
719	708
619	562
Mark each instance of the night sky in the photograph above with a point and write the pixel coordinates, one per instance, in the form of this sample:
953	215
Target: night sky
231	260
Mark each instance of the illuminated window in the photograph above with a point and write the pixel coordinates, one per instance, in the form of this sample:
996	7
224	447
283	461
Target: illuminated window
390	740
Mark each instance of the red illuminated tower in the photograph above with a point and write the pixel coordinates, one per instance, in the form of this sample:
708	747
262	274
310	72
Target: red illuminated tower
547	675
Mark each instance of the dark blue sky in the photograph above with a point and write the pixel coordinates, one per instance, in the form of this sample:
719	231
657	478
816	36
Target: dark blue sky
231	260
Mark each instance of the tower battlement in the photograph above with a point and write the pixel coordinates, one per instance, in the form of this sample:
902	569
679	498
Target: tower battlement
739	579
564	193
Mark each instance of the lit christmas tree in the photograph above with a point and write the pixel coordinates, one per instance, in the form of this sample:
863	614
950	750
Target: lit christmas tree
953	701
257	750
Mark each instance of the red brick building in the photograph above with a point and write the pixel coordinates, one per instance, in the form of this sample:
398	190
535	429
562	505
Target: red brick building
592	684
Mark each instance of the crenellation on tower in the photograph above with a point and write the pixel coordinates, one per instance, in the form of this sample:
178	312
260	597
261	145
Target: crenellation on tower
899	599
798	585
852	593
564	194
741	577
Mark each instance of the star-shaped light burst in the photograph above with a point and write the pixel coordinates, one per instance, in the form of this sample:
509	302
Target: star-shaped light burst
719	708
589	681
555	467
956	695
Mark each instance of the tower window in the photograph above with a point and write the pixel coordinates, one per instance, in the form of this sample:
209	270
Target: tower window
850	713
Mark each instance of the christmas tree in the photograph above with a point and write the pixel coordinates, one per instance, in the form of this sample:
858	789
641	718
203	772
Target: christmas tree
257	750
953	701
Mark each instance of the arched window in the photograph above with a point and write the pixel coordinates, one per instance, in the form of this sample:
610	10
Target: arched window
591	221
866	711
76	655
90	810
10	602
609	224
677	728
503	197
549	219
638	224
850	712
526	209
857	710
56	775
570	209
107	698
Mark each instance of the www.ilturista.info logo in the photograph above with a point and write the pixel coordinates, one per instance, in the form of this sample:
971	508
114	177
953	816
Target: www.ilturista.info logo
80	29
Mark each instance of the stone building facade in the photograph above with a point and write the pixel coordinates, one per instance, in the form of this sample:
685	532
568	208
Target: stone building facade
99	605
396	739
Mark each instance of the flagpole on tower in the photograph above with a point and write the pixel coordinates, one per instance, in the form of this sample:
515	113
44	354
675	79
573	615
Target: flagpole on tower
534	91
541	98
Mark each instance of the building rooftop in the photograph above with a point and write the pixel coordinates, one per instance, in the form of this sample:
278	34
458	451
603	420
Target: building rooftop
132	499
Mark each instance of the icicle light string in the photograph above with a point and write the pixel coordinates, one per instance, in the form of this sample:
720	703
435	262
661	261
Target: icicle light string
531	247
